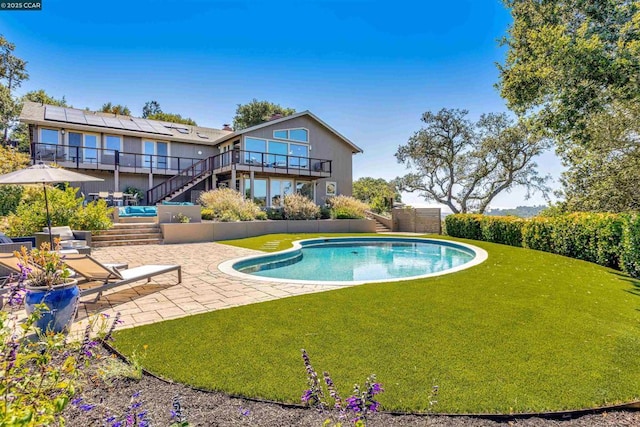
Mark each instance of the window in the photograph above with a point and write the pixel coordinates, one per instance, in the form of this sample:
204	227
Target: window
112	142
253	148
155	154
259	191
299	155
279	189
282	134
75	143
277	154
90	151
305	188
301	135
49	136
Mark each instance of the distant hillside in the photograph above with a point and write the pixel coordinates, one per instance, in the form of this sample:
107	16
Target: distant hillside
521	211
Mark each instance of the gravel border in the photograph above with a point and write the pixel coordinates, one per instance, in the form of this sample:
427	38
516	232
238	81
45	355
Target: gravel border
202	408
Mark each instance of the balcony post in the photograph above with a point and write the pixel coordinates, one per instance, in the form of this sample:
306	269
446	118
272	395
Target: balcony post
77	157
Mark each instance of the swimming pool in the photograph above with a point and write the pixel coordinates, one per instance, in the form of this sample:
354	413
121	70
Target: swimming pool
354	260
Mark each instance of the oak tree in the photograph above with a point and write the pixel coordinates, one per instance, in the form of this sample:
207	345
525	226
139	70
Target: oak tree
465	165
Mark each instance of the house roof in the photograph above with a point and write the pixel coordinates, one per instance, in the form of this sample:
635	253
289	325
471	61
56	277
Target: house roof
353	146
72	118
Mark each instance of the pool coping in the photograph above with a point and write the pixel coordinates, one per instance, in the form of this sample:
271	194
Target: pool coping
226	267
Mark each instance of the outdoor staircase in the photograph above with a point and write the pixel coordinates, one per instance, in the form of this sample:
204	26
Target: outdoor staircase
128	234
380	227
183	181
187	186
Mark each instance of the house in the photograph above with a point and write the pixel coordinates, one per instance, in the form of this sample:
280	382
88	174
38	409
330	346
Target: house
170	161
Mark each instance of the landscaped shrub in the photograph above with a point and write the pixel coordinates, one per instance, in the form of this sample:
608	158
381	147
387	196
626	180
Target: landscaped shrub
537	233
276	214
299	207
465	226
594	237
325	212
506	230
95	216
228	205
631	245
65	208
207	213
345	207
10	196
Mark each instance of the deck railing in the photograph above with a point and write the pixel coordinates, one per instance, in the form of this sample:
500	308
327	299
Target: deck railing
100	158
268	162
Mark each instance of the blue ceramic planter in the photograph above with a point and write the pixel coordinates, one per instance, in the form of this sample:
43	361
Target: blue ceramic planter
61	302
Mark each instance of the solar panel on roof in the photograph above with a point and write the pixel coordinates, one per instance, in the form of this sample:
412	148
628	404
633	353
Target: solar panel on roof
55	113
159	129
74	116
94	120
128	124
112	122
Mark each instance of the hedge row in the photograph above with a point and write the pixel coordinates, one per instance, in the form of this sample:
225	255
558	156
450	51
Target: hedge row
611	240
497	229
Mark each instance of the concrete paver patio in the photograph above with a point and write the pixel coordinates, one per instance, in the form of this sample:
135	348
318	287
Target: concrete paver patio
203	288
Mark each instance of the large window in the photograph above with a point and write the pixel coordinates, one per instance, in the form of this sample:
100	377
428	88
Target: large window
259	191
90	151
305	188
279	189
49	136
301	135
277	154
112	142
87	147
253	148
155	154
299	154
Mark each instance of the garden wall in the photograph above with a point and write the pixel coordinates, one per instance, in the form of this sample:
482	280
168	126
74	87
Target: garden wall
213	231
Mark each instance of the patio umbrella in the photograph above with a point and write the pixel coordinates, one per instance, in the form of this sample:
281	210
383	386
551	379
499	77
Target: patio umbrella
45	174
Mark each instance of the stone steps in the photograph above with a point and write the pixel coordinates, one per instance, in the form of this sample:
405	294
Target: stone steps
380	227
128	234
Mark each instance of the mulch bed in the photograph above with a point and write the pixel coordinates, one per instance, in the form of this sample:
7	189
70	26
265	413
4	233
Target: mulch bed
218	409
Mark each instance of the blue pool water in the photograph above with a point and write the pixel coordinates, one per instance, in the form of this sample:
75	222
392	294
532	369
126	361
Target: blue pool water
359	259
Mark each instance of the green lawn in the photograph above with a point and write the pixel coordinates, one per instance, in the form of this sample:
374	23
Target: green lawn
524	331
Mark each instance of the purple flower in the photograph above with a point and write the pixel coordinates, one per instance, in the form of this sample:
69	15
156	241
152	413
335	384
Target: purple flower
244	412
376	388
374	406
76	401
110	419
354	404
306	396
117	424
136	394
87	407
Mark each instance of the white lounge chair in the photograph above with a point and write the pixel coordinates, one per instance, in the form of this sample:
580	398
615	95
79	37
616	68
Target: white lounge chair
111	277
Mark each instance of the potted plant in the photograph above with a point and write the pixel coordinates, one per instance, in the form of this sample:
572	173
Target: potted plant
48	281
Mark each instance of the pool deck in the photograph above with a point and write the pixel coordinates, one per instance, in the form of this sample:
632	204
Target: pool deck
204	288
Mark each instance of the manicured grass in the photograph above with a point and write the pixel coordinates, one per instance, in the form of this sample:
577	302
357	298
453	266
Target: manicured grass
524	331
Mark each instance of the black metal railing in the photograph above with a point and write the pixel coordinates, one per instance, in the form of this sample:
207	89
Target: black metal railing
267	162
187	175
89	158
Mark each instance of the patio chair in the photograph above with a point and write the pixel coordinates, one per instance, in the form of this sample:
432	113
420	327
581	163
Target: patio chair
111	277
118	198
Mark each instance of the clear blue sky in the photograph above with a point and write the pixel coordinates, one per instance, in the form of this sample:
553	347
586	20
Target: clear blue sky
368	68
